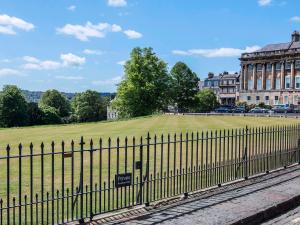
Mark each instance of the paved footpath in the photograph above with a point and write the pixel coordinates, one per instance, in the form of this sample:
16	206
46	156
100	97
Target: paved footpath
290	218
238	203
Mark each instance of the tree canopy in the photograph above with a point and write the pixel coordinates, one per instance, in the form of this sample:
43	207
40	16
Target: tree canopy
184	86
146	85
89	106
206	101
13	107
54	99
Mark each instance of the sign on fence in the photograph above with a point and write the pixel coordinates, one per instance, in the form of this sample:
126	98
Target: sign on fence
123	180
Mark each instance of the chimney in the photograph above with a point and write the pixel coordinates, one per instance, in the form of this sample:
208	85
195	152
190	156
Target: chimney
295	36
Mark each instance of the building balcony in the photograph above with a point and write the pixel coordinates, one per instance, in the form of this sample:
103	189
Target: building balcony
227	95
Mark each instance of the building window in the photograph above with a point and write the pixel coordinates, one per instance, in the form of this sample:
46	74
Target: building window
269	67
297	64
286	99
250	84
287	82
288	65
268	84
259	84
295	100
216	83
250	67
297	82
278	66
259	67
276	100
267	98
277	83
248	98
257	98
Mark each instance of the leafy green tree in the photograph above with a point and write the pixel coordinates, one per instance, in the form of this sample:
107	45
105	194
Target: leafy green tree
35	114
145	88
13	107
206	101
55	99
50	115
184	86
89	106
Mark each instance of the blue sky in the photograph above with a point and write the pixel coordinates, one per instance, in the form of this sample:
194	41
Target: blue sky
74	45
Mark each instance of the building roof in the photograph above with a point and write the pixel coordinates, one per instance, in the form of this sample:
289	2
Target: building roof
292	46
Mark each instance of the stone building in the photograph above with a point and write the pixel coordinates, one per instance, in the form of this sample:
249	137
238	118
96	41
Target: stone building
212	82
228	88
272	74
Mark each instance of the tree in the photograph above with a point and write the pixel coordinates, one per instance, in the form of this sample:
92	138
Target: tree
53	98
145	88
206	101
35	114
13	107
89	106
184	86
50	115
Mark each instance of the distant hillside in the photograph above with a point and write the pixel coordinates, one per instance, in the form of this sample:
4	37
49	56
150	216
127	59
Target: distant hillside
35	96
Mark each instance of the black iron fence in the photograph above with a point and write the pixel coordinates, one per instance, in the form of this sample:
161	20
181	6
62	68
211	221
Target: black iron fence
61	183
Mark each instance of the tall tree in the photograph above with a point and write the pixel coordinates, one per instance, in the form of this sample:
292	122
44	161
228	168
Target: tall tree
53	98
184	86
35	114
206	101
89	106
145	88
13	107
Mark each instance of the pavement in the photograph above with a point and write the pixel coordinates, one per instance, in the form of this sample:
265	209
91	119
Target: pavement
290	218
252	201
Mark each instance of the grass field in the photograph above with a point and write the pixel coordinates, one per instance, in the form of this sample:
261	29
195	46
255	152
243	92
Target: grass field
162	124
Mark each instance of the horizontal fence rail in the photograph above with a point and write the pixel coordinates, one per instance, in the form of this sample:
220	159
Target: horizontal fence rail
60	183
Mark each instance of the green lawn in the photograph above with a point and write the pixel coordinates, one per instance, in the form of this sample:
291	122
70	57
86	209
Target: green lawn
160	124
163	124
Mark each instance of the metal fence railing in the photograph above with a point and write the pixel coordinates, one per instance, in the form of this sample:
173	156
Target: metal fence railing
59	183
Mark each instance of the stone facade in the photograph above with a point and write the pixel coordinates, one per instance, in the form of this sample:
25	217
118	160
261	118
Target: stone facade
225	86
212	82
228	88
272	74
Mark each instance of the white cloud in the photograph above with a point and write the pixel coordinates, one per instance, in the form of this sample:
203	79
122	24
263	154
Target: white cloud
7	72
218	52
30	59
72	8
89	30
5	60
92	52
112	81
7	30
116	28
69	77
8	24
72	60
117	3
295	19
264	2
69	59
131	34
43	65
122	63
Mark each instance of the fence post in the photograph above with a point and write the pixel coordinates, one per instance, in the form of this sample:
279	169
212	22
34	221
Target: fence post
298	143
141	171
246	155
8	183
147	169
81	220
